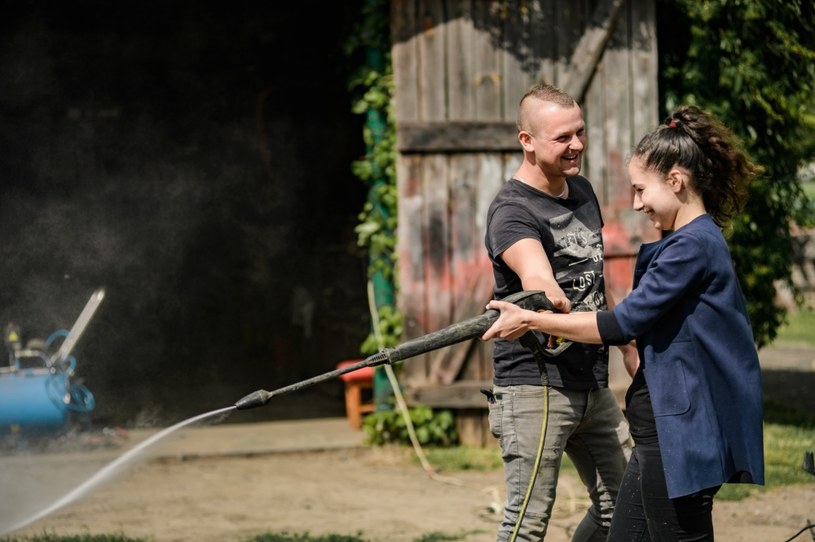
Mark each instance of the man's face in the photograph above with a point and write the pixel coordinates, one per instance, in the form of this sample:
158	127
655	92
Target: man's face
558	136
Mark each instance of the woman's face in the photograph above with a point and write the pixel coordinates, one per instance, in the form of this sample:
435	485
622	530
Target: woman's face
654	195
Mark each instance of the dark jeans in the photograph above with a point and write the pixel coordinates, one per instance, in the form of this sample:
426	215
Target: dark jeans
644	513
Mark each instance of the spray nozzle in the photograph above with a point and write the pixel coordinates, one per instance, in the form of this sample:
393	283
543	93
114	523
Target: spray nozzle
253	400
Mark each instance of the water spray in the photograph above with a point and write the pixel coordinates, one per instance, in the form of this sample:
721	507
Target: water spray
455	333
452	334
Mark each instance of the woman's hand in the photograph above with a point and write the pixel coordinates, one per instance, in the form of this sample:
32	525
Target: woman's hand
511	324
631	358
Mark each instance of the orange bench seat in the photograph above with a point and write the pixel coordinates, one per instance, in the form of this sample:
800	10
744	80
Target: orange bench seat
358	388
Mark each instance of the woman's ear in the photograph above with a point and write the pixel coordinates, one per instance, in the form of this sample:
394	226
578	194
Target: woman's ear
677	179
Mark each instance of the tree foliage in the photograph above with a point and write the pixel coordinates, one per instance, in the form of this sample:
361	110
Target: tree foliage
752	64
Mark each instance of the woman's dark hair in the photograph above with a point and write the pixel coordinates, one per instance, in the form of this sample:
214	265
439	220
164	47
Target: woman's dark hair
692	139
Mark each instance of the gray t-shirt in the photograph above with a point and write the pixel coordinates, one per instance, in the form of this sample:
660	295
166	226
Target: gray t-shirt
570	231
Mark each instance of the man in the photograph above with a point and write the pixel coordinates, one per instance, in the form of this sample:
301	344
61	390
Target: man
544	233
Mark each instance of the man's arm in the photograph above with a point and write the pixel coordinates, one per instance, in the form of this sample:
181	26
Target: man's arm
529	261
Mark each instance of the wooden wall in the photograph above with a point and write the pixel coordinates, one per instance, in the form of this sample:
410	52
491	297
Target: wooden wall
460	69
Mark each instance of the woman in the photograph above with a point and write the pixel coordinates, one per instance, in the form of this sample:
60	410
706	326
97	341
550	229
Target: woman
694	406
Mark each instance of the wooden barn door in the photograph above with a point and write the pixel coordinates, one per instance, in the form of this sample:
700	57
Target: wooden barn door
460	69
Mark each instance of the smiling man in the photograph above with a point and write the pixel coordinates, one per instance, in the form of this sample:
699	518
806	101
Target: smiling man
544	233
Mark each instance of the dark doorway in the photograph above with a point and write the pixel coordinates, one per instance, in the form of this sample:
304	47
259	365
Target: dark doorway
192	158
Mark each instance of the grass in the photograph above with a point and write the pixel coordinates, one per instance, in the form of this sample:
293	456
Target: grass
303	537
799	328
787	434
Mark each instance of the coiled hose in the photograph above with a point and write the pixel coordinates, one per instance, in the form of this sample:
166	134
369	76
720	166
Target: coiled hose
79	398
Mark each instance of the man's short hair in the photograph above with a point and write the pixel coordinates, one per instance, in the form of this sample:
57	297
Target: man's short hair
545	93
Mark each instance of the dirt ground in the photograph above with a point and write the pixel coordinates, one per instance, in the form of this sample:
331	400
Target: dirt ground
368	492
378	494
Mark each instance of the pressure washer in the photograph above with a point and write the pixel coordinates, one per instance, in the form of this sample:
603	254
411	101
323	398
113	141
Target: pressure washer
39	391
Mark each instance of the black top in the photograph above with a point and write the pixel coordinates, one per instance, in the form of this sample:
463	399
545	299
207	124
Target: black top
570	231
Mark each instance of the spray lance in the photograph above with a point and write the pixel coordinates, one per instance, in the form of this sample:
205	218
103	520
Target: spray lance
455	333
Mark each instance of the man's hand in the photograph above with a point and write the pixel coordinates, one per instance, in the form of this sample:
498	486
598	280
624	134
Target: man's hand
560	301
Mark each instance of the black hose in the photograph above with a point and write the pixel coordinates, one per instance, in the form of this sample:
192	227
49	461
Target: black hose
796	535
452	334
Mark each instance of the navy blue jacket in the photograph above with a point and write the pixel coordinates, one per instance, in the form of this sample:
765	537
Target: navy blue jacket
697	352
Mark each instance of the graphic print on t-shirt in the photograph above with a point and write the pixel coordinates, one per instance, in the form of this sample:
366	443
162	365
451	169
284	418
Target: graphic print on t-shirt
576	243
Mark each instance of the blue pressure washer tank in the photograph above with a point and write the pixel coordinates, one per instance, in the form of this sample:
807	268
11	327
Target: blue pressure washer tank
34	397
36	386
36	393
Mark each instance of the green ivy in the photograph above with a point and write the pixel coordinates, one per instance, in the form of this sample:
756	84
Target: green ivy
373	88
390	324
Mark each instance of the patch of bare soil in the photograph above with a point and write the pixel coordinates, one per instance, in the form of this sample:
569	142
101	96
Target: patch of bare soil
379	494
